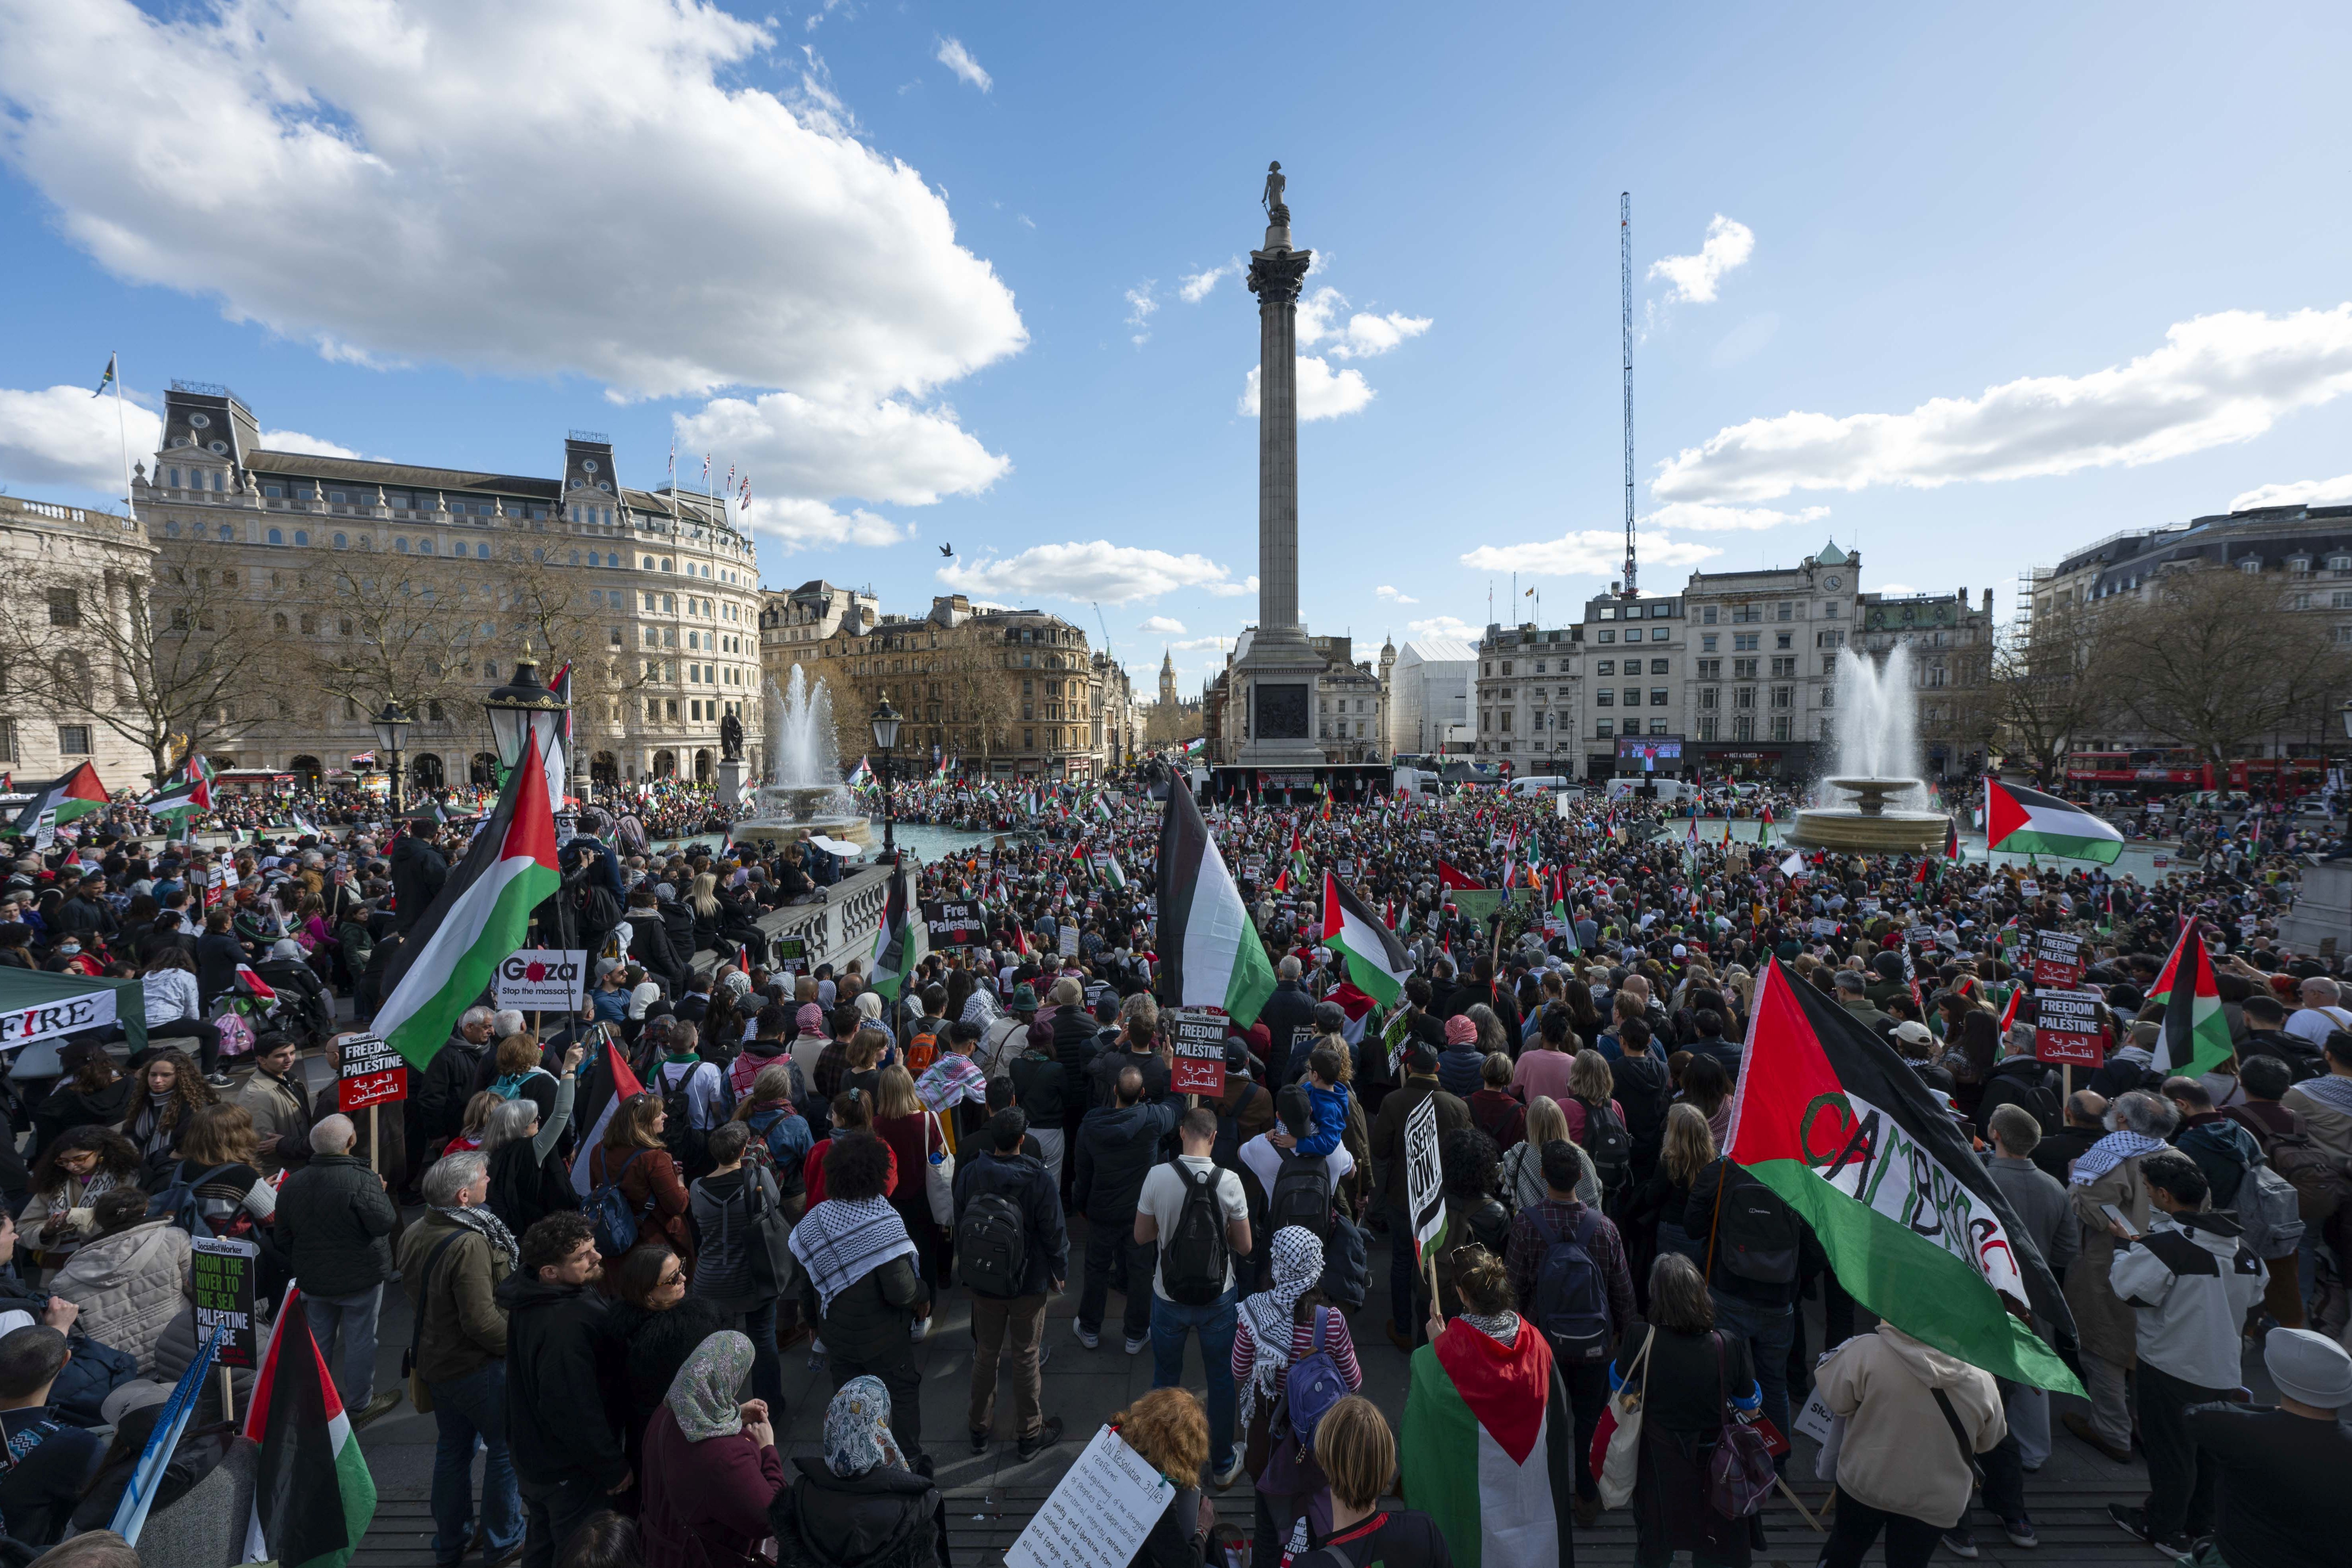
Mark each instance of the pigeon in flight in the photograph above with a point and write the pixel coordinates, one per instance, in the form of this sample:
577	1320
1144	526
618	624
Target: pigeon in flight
947	550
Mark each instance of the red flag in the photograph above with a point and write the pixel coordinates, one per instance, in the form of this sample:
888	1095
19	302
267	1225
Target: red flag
1450	879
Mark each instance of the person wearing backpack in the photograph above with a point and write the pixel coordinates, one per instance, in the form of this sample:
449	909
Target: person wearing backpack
1198	1217
2224	1151
1596	1123
1119	1145
741	1228
694	1095
1293	1361
1567	1270
1748	1243
1013	1253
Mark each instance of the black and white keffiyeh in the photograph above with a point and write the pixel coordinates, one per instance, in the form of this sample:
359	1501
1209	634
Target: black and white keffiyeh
1297	1266
843	1240
2110	1152
491	1228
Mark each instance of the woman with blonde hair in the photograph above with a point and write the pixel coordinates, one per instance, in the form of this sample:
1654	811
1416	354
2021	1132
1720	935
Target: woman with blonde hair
1169	1430
1359	1453
917	1144
216	1151
1523	1177
1657	1204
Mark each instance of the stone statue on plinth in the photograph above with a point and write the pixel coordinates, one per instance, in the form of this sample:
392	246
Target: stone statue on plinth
730	738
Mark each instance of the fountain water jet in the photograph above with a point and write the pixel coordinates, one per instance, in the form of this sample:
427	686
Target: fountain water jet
1876	747
803	792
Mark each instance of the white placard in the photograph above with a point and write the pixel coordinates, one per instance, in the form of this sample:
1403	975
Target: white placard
1423	1175
61	1015
1814	1419
45	830
1099	1514
1069	940
548	979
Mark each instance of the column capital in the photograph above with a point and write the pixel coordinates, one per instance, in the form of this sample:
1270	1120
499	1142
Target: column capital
1276	277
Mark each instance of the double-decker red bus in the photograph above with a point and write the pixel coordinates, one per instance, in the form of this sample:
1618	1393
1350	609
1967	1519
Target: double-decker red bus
2175	769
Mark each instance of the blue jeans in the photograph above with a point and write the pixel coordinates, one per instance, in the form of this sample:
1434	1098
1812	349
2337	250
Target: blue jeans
1770	1331
465	1409
759	1326
1214	1323
355	1315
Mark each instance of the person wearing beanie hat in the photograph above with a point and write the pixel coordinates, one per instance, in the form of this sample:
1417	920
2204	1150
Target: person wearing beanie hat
2279	1492
1459	1065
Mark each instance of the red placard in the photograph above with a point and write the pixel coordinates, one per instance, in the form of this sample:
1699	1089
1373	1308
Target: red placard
1199	1051
2057	960
2067	1028
370	1073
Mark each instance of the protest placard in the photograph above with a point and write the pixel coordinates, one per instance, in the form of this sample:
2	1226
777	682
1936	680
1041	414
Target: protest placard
2067	1028
1099	1513
542	979
954	924
1422	1185
371	1073
221	1276
2057	960
1200	1048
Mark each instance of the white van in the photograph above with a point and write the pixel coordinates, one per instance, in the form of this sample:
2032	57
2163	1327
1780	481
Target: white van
1671	792
1541	784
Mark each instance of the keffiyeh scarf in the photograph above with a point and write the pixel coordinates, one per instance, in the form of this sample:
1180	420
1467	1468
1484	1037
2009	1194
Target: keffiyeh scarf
1297	1265
2335	1093
2110	1152
954	1077
858	1428
1503	1327
843	1240
491	1228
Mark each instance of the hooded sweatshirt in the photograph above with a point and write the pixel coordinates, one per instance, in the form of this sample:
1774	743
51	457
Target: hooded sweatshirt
1899	1453
2190	1282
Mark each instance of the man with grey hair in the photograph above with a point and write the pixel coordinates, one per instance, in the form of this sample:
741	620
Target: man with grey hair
452	1263
448	1081
333	1219
1288	1016
2046	1219
2107	1174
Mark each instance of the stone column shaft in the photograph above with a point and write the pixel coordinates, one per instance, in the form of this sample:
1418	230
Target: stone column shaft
1274	277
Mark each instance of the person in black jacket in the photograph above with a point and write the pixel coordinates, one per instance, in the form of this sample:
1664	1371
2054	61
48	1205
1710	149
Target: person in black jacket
1042	1088
333	1219
219	952
865	1504
446	1084
418	869
1749	1244
1117	1145
1133	1048
560	1363
649	943
678	930
865	1323
1288	1012
1014	1322
46	1475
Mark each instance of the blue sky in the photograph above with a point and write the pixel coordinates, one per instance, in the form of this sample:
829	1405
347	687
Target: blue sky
889	259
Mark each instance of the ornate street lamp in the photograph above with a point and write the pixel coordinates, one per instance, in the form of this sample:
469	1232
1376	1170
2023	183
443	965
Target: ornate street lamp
391	733
524	707
886	740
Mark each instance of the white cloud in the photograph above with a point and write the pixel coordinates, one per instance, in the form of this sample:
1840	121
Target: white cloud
801	525
1393	596
1112	574
63	436
887	451
2217	379
1728	244
1323	392
957	58
1247	586
1193	287
1596	551
1442	627
2300	492
1700	516
1361	335
1195	644
1162	624
439	191
1141	305
295	441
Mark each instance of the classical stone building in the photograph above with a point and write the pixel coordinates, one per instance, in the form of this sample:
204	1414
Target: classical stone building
1174	719
1003	693
76	578
427	585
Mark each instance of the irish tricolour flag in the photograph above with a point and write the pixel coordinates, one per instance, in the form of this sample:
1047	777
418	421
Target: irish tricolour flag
1486	1447
2027	822
482	914
1837	1124
1376	960
1209	954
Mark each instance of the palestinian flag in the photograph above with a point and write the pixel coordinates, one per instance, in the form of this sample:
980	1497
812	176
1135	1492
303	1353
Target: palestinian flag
481	914
77	795
1355	1006
1951	839
1831	1120
313	1495
559	752
606	1087
194	795
861	775
1486	1448
1376	960
1559	911
2194	1035
898	942
1301	866
1209	952
2027	822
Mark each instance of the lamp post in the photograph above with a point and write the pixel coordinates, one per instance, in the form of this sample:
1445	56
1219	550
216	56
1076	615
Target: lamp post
524	707
886	738
390	730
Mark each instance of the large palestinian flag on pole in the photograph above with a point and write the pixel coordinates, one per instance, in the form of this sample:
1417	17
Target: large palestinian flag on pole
2195	1035
1376	960
1831	1120
313	1494
2027	822
1209	954
482	914
898	944
1487	1442
77	793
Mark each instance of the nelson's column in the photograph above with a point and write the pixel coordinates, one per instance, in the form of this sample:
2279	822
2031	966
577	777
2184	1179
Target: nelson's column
1276	675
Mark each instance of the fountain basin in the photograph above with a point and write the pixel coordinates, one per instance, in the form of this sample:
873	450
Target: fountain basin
1869	826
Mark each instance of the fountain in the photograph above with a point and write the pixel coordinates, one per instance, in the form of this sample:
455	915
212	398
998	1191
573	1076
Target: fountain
1877	755
801	792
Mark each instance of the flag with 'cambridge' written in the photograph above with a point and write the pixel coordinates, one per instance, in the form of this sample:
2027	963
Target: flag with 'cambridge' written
1841	1127
2026	822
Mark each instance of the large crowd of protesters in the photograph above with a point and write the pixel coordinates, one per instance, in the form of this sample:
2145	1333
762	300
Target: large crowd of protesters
817	1164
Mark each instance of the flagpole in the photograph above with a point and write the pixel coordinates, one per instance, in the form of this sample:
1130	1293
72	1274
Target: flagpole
122	433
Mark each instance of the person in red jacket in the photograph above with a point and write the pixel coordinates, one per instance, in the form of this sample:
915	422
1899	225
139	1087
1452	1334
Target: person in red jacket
710	1465
853	1111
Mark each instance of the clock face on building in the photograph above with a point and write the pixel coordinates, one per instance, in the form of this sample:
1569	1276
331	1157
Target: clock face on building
589	465
1829	581
198	421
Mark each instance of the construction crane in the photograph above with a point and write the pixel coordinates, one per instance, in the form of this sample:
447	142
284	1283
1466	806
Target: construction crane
1625	329
1106	627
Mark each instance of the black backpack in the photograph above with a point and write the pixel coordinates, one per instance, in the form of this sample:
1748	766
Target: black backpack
679	1135
1193	1258
1755	1234
1301	1195
991	1250
1571	1302
1610	1145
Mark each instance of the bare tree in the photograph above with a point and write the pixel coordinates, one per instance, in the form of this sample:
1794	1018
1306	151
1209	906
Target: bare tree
2211	659
2050	686
167	661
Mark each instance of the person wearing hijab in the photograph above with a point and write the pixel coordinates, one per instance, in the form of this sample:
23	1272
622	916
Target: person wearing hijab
861	1505
1276	1328
710	1466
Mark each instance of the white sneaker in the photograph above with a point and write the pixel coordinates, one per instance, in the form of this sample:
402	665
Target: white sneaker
1135	1346
919	1330
1231	1473
1091	1341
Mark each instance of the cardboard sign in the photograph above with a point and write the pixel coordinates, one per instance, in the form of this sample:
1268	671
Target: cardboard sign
2029	889
1816	1418
1393	1037
2057	960
1069	940
2067	1028
1424	1192
1200	1048
1099	1512
221	1273
567	827
954	924
542	979
371	1073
